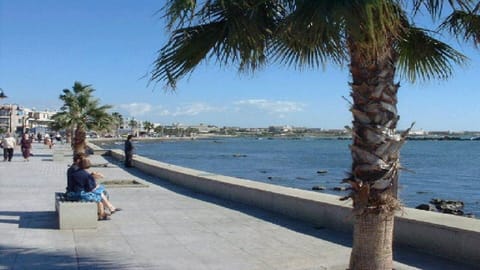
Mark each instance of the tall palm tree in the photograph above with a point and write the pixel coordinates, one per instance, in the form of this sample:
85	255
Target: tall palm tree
82	112
380	42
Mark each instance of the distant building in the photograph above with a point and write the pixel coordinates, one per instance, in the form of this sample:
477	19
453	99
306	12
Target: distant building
420	132
10	117
16	119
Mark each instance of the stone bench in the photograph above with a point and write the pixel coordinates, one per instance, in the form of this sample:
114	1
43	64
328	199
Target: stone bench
75	214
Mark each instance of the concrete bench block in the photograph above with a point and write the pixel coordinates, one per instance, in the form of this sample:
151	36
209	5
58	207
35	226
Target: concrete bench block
75	215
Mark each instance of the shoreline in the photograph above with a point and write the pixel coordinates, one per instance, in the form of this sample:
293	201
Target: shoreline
303	180
285	137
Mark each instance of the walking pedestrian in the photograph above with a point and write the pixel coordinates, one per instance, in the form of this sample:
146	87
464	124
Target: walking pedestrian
26	146
8	144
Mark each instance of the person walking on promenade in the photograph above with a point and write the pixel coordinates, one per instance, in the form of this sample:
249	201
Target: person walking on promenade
85	188
26	146
128	151
8	144
48	141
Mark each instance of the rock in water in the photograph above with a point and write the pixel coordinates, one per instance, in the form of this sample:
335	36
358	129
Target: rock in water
427	207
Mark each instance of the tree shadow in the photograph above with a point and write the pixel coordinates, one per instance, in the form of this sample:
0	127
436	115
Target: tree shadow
12	257
32	219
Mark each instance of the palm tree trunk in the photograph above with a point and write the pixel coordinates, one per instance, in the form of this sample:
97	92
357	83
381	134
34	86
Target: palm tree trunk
372	236
79	140
375	157
68	135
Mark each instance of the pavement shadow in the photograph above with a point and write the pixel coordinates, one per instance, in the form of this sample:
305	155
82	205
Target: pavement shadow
31	219
12	257
42	155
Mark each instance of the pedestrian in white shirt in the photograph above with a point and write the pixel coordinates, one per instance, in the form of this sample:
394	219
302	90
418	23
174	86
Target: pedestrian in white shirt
8	144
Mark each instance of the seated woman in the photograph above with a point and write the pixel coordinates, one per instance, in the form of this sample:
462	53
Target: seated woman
83	186
70	193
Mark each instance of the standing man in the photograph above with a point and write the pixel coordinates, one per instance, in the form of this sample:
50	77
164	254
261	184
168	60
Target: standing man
128	151
8	144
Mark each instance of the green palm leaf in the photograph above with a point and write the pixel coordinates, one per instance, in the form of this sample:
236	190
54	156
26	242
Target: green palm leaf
424	57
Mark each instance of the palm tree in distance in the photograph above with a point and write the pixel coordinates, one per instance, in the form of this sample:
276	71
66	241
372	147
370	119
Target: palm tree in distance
148	126
117	122
80	113
133	124
379	41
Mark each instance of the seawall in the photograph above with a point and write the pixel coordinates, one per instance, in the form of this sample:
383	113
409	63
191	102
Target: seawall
443	235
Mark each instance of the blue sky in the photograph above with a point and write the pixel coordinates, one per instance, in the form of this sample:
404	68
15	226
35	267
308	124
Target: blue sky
45	46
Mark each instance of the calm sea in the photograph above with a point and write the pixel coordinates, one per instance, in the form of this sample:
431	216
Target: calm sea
434	169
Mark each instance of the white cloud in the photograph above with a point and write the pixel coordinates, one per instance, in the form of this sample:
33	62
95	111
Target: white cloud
272	106
141	109
194	109
136	109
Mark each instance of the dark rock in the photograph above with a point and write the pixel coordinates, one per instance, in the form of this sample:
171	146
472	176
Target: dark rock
448	206
239	155
441	204
452	211
318	188
427	207
469	215
322	171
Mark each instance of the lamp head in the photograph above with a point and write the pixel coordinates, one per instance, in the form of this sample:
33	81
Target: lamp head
2	94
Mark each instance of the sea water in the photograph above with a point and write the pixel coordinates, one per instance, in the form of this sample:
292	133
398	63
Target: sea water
432	169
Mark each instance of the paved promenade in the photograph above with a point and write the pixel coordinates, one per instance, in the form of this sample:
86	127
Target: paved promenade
161	227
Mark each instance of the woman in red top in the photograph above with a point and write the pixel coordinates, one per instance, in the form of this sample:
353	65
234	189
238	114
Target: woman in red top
26	146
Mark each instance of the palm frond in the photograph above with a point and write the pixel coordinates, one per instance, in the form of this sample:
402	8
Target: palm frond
186	48
424	57
464	25
311	35
230	31
178	12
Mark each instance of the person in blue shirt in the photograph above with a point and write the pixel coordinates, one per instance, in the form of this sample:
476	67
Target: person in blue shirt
70	193
82	185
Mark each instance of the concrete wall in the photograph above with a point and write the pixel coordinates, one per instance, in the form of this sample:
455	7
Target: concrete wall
439	234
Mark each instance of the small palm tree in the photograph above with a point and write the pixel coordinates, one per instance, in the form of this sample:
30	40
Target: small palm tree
148	126
81	112
376	38
117	121
133	124
158	130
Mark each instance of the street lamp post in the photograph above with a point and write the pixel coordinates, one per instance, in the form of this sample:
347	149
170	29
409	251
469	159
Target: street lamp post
2	96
